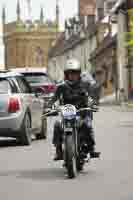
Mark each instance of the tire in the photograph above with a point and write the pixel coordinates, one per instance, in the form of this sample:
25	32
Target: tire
70	157
25	132
79	165
43	133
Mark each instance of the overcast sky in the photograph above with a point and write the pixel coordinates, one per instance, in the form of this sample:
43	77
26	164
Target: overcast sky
68	8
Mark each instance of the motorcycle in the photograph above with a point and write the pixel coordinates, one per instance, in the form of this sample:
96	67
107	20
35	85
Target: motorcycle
75	148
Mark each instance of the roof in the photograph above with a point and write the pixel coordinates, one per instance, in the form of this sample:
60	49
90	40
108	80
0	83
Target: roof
29	70
63	45
107	42
59	43
5	74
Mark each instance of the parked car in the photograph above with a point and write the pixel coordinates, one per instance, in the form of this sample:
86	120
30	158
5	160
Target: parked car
38	78
20	109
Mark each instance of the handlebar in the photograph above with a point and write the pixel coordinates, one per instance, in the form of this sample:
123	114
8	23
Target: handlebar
51	113
55	112
92	109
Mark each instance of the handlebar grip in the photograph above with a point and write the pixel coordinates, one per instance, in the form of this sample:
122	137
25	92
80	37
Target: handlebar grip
52	113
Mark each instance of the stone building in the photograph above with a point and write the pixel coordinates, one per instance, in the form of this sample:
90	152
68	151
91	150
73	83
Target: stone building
123	69
91	41
2	64
104	57
75	41
27	43
78	41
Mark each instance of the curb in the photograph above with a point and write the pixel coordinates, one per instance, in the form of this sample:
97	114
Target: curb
123	107
126	107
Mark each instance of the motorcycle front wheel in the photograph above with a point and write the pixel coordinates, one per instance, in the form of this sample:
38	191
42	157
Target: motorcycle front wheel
71	163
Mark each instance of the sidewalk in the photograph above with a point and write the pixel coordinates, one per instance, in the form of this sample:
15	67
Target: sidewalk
111	101
108	100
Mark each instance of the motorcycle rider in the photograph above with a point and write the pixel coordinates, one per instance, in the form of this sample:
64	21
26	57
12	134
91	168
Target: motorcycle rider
73	91
88	78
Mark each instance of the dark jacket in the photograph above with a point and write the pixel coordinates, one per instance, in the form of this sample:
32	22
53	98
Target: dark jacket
75	94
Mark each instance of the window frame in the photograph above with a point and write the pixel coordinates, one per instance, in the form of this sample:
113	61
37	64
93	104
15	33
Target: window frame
25	83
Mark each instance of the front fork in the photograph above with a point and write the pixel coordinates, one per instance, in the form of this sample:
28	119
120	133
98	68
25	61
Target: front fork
75	143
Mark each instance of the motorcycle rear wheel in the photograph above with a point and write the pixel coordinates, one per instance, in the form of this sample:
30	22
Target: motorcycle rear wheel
79	165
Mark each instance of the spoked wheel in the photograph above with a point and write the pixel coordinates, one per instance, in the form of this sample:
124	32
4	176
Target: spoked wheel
71	163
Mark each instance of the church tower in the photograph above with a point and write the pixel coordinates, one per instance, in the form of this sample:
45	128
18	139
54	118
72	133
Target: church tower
28	41
57	14
41	16
18	11
4	15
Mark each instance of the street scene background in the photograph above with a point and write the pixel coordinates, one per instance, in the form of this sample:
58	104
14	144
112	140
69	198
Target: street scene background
40	37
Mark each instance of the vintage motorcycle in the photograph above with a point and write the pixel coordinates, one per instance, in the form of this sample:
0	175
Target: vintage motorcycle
75	149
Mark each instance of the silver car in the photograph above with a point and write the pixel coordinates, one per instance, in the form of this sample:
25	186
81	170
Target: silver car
20	109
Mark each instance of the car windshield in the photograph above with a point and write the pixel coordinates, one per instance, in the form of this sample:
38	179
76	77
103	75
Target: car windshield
4	86
37	78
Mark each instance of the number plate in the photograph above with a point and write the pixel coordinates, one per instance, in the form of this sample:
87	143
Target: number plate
68	129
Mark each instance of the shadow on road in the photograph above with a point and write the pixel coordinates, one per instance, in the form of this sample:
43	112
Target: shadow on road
8	143
46	174
11	142
126	124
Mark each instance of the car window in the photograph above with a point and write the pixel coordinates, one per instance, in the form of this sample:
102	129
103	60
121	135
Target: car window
15	89
5	86
37	78
24	87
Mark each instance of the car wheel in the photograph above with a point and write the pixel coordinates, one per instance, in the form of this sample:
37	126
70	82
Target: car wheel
43	133
25	132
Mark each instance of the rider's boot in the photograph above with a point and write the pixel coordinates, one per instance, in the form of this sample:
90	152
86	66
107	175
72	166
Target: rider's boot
59	153
93	153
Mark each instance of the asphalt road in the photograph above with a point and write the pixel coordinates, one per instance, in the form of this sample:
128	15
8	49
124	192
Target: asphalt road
29	173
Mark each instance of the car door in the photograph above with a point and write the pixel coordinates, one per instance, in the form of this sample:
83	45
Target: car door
30	101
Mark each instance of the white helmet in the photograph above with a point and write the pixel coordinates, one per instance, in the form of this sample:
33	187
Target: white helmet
72	64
